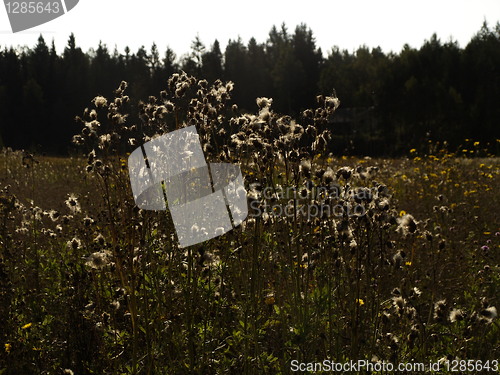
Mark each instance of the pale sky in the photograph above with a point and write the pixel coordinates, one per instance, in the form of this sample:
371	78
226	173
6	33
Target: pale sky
347	24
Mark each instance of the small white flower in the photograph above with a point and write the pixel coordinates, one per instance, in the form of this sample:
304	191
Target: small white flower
97	260
72	203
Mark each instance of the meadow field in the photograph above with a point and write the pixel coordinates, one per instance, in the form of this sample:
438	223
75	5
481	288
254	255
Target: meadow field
341	258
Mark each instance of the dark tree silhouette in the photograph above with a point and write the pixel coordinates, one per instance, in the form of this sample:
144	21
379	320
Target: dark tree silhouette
389	102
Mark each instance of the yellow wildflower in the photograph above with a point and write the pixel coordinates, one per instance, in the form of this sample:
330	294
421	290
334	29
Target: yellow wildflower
269	300
26	326
8	347
360	301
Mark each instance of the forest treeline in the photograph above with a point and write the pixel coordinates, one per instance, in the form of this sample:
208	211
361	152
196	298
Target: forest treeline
389	101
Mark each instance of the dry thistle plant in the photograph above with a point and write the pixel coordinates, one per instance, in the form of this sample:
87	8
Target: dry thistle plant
327	265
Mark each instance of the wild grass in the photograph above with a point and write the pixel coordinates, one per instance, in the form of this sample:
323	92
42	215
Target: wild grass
408	271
